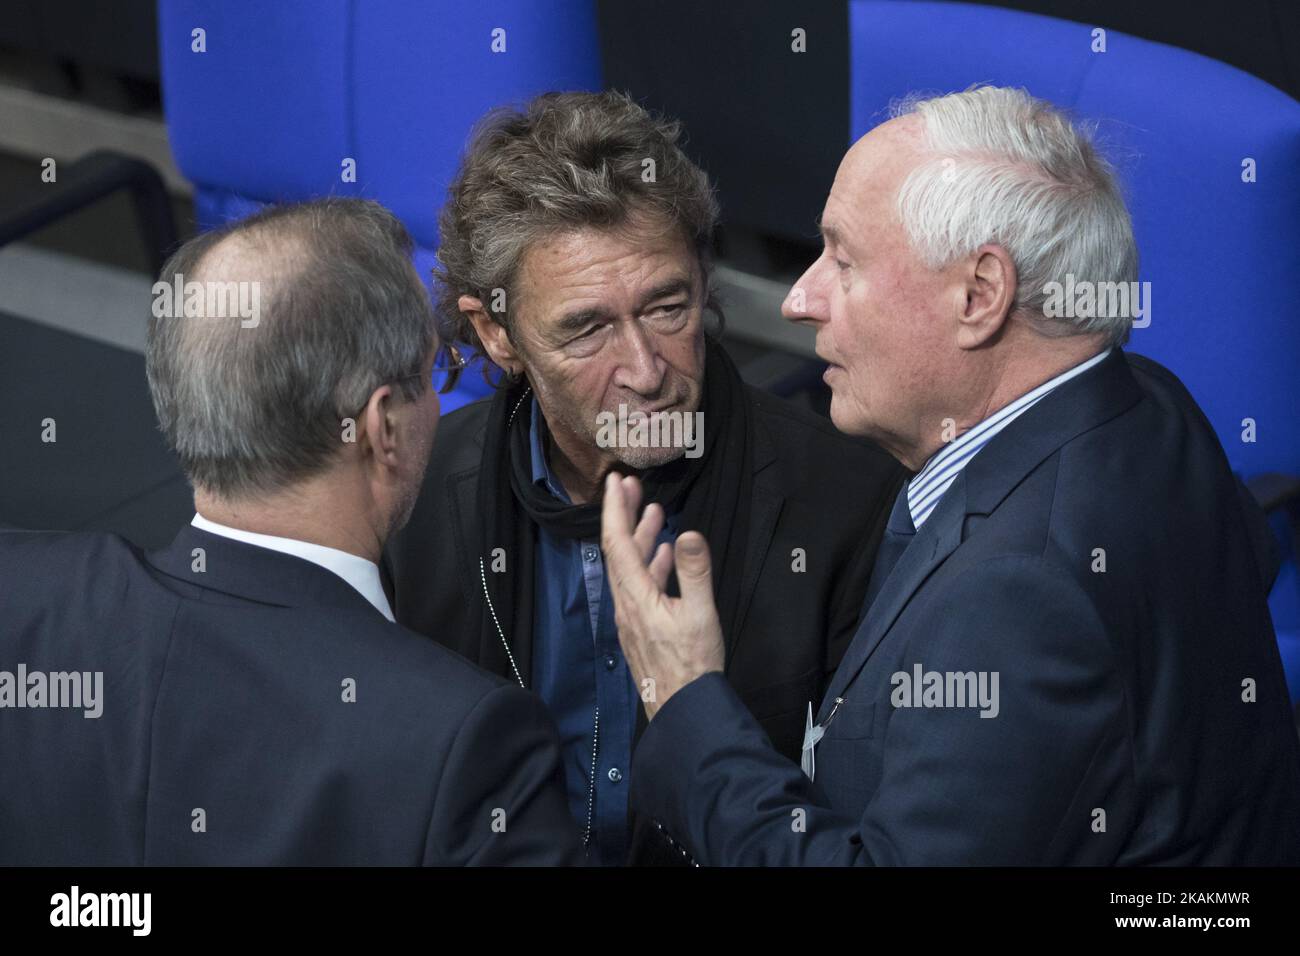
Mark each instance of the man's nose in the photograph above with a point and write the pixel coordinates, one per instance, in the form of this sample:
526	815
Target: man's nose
806	302
639	370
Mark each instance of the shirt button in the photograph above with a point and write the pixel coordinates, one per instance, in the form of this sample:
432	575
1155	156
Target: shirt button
610	663
589	554
615	774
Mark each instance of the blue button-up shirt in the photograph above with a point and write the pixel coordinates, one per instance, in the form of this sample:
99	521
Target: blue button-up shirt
578	669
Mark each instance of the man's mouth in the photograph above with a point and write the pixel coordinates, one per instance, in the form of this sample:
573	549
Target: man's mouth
657	407
832	368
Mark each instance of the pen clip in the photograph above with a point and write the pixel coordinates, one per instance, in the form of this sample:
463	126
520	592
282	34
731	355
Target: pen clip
834	710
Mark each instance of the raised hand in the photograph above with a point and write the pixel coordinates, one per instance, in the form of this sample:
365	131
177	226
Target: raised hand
668	642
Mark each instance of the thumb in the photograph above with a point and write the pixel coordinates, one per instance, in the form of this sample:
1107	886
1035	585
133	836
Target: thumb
694	568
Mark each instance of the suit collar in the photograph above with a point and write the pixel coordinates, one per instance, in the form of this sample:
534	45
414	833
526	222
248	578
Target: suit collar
1084	402
254	573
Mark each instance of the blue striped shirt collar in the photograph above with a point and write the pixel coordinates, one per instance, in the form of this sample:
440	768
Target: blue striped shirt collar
926	489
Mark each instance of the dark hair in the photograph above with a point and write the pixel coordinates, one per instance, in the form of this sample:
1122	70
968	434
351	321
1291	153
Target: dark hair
563	161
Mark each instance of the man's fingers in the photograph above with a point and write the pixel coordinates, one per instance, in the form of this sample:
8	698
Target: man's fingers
616	531
614	518
651	522
694	569
647	530
624	563
661	565
631	486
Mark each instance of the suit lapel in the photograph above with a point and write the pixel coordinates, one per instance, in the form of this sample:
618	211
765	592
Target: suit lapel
767	499
475	570
938	538
766	509
460	492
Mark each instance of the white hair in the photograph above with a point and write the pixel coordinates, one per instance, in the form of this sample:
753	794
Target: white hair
1009	169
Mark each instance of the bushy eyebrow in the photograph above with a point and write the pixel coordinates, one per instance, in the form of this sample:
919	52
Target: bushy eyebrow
577	320
680	285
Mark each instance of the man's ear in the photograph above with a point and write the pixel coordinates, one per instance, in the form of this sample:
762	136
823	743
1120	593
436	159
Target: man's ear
990	293
379	426
492	334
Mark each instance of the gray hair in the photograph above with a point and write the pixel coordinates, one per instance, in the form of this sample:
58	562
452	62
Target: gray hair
251	410
1010	169
564	161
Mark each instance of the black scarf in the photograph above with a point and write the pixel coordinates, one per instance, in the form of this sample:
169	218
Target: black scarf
710	494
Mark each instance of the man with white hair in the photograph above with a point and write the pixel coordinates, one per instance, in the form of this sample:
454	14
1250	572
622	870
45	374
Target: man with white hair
1066	655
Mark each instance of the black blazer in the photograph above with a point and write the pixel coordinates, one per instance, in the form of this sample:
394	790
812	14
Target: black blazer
1142	716
225	737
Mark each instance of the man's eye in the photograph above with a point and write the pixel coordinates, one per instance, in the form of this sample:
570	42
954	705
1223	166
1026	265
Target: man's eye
668	311
841	264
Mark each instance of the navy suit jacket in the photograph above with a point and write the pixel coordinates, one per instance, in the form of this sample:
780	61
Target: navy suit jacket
1142	714
225	737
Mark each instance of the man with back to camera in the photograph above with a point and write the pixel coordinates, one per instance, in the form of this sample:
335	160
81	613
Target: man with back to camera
574	251
253	701
1067	655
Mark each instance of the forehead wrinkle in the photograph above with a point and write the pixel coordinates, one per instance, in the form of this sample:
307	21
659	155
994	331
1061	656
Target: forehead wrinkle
580	266
870	175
